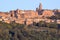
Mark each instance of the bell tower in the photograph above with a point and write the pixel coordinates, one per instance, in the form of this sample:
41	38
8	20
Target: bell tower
40	6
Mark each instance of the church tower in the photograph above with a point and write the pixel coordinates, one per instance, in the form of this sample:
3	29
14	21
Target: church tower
40	6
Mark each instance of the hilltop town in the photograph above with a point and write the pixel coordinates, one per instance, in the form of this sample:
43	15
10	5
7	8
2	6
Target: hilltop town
39	24
29	16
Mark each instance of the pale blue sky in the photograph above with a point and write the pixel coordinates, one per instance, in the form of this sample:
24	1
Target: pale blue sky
7	5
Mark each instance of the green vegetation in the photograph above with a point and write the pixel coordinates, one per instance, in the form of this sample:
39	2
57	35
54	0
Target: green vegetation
37	31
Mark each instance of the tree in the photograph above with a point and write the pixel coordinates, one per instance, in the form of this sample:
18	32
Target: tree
52	25
42	24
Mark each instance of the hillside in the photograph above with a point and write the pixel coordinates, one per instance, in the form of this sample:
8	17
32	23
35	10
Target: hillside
43	31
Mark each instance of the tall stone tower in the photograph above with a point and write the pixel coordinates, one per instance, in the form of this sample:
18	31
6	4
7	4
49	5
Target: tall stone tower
40	6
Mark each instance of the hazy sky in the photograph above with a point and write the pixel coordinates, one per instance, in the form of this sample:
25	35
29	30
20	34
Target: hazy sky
7	5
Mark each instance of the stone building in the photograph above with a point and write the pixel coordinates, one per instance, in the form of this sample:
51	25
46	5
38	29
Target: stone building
47	13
